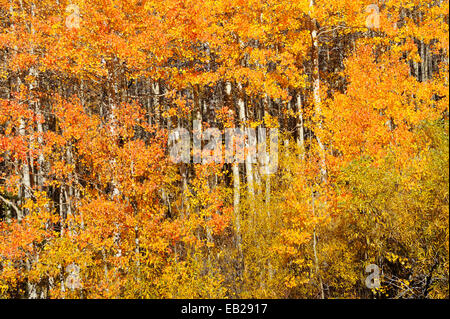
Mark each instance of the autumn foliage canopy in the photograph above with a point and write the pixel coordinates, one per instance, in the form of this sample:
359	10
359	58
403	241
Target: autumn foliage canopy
92	206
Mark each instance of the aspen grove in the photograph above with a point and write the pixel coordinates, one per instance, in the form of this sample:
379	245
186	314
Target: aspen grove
93	206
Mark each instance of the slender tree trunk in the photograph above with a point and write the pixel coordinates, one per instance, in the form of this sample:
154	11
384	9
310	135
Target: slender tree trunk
300	127
236	195
318	110
316	96
248	159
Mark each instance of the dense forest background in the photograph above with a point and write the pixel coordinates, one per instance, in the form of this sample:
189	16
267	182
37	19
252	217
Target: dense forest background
91	206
